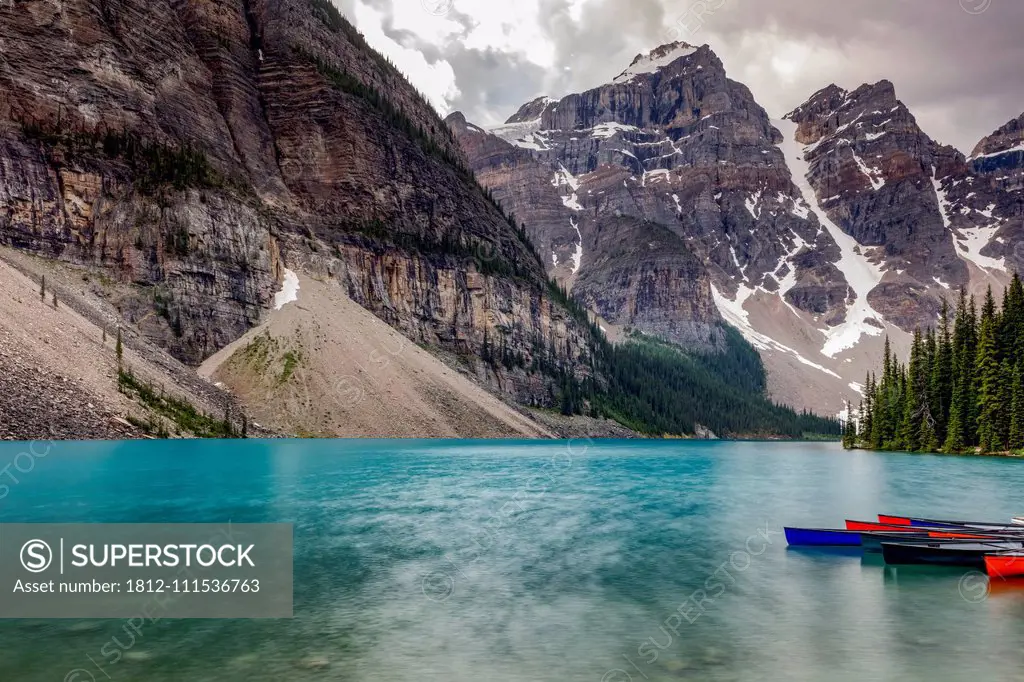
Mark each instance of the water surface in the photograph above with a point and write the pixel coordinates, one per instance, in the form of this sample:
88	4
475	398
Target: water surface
494	561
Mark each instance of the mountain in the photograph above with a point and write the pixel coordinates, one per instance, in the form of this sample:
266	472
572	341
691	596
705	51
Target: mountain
669	203
247	185
187	153
646	192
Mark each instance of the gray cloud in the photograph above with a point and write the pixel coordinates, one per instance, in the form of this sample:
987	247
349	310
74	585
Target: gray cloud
492	84
955	63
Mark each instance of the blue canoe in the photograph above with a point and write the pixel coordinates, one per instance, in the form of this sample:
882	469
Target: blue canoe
822	537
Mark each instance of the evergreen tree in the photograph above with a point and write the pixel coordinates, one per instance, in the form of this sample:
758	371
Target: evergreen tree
915	398
941	389
971	379
1016	434
963	387
866	410
849	428
963	371
1013	319
987	373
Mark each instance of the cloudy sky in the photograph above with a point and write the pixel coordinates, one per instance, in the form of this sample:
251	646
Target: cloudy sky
955	63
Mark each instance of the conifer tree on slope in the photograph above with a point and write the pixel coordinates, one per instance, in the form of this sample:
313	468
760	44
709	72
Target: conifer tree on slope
988	379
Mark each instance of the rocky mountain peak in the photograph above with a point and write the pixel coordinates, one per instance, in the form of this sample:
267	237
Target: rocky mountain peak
1002	140
532	110
870	111
456	118
825	100
655	60
999	157
883	89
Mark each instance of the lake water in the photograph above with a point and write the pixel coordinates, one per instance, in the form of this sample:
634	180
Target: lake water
494	561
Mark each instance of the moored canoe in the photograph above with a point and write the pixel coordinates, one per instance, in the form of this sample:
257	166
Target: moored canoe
872	541
871	525
1005	564
945	553
937	532
915	522
821	537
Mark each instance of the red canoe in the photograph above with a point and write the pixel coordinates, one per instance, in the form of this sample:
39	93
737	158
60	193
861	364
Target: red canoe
1005	564
897	528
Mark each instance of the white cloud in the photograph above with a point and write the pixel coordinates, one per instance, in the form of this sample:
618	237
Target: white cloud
485	53
435	80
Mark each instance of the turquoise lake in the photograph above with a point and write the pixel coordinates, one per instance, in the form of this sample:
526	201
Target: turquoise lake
509	560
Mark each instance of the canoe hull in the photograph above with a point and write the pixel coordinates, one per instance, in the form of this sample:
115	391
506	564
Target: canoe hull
872	541
1005	565
821	537
973	525
961	554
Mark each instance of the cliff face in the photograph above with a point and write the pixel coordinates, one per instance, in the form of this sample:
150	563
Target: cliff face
673	159
873	170
999	157
932	220
669	201
190	148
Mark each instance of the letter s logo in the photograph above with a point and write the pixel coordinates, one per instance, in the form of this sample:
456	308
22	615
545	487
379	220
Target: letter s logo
36	556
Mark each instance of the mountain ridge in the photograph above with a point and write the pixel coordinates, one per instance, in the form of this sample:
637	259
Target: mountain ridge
189	158
897	200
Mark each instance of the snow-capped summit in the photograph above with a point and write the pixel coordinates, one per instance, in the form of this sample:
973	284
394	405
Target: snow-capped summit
656	59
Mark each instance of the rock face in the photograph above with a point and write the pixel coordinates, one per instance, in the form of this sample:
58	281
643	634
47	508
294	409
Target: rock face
931	220
668	201
651	191
191	148
1000	156
873	171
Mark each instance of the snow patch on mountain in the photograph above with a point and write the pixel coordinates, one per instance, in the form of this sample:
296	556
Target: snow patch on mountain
874	175
603	131
944	204
656	175
526	134
861	274
1018	148
577	256
734	313
655	60
751	202
289	290
564	178
970	242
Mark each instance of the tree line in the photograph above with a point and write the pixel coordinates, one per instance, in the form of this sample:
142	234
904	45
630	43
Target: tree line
657	388
962	390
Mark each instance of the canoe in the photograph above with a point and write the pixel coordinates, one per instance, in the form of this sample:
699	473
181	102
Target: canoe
1017	520
1005	564
871	525
821	537
945	552
872	541
937	532
940	523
